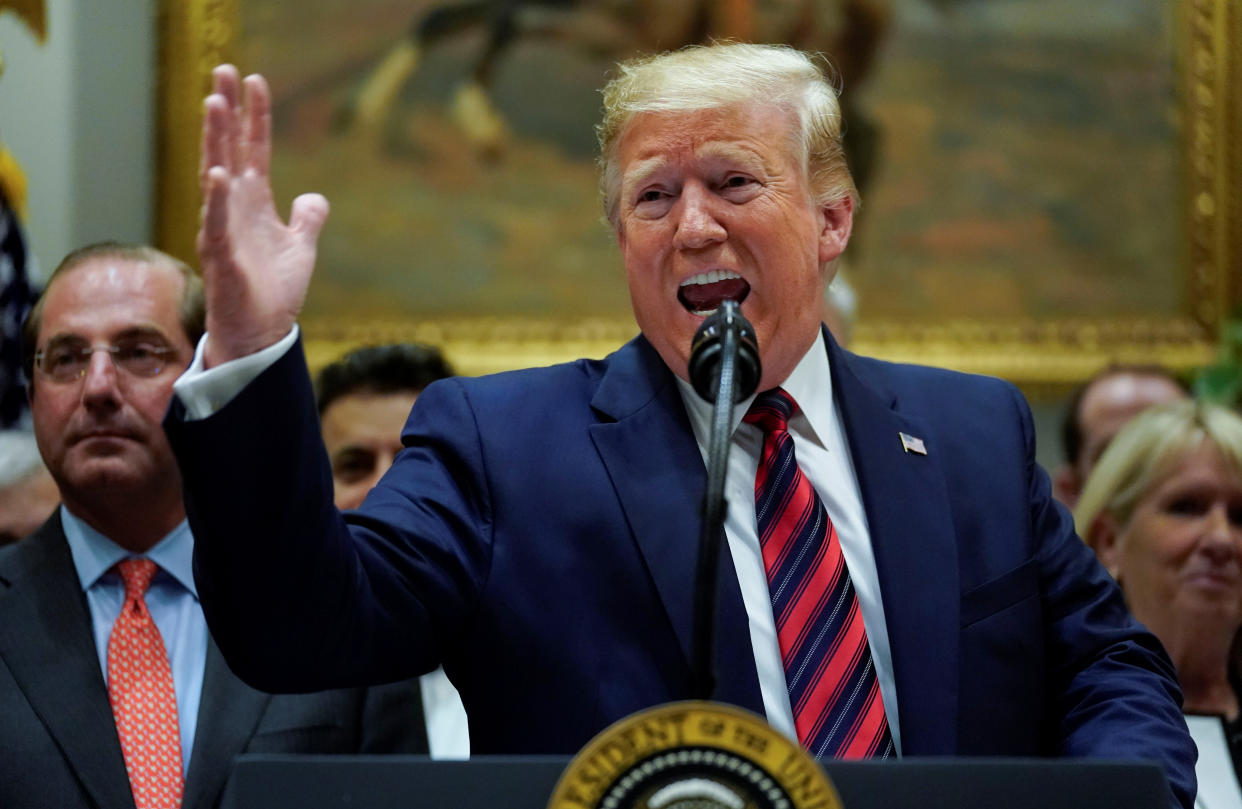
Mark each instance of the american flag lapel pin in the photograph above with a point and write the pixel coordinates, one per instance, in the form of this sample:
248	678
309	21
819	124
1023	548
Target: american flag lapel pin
911	444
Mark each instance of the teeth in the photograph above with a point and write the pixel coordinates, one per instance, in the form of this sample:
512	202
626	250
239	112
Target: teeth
710	277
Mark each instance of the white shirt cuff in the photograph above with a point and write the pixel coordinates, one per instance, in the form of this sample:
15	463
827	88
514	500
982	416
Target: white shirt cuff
205	391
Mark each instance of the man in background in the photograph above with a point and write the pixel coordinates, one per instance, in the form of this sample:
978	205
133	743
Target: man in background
364	399
1098	409
27	492
112	691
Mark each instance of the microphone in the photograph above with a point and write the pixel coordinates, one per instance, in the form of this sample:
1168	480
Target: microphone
724	370
725	332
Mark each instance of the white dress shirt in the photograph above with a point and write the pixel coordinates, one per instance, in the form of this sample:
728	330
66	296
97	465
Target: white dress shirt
448	732
1218	782
824	457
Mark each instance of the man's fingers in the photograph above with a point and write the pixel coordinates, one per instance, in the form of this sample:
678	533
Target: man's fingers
227	85
213	233
204	146
224	80
306	218
214	150
258	124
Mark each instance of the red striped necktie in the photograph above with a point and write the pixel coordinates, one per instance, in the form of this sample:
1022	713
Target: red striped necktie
833	690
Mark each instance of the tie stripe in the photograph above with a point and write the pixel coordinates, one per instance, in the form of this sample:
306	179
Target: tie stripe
833	690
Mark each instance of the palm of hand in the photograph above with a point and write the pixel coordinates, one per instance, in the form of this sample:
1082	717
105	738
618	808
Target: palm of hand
256	268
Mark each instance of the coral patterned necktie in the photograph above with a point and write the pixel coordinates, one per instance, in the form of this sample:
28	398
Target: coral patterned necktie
144	704
833	690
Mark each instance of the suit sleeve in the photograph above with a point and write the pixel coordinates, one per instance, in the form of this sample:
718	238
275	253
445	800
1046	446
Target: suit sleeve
1113	690
299	597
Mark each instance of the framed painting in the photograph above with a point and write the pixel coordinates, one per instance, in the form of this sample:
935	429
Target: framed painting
1047	186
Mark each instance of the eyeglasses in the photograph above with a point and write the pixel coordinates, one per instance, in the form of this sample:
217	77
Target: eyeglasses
67	362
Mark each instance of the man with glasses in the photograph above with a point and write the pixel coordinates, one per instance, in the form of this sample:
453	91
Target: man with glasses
112	691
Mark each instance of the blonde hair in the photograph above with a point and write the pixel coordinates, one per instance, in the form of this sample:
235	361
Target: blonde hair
727	74
1144	452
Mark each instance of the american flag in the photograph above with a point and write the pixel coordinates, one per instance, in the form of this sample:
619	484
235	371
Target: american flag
16	298
910	443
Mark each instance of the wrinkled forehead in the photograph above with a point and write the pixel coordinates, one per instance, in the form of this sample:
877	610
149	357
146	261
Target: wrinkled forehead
1125	394
686	128
695	152
112	295
761	136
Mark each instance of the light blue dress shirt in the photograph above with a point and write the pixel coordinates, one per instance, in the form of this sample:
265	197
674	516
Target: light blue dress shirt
172	601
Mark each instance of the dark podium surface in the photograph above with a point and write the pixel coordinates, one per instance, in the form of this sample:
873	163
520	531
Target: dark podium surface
417	782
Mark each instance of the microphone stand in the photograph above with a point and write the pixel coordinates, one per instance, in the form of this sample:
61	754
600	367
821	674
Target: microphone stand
704	682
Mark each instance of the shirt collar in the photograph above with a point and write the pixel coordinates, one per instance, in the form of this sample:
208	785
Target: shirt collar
94	554
810	385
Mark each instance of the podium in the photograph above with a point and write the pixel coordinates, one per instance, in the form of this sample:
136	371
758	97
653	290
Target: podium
417	782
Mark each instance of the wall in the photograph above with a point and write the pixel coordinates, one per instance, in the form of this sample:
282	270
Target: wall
78	114
1047	414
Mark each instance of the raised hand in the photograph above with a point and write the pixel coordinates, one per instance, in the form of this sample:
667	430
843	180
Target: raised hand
256	269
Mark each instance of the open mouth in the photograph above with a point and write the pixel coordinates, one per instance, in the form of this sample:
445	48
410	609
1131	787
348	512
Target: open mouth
702	294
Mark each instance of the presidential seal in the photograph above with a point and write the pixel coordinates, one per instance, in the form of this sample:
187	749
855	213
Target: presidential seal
693	755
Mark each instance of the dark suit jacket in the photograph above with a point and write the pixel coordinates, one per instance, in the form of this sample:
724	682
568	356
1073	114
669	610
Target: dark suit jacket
58	742
538	535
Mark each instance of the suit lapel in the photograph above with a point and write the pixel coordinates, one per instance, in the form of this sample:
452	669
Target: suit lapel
646	442
46	641
229	712
911	529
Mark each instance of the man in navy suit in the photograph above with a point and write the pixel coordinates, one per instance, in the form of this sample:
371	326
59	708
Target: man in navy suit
537	535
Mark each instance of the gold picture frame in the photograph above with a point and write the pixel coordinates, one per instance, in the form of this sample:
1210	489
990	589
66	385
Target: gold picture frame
1043	353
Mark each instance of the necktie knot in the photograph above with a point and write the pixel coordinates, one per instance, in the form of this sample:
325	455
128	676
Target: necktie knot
771	411
137	574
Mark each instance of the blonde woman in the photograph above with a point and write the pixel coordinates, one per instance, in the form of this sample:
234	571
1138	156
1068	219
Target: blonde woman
1163	511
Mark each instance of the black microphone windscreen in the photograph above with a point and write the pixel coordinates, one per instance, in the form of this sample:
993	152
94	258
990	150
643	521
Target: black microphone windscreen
706	357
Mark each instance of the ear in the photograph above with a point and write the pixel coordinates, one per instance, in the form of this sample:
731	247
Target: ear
836	222
1105	537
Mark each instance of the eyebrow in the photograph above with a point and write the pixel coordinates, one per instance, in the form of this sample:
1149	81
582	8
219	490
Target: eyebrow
730	151
642	170
133	332
352	452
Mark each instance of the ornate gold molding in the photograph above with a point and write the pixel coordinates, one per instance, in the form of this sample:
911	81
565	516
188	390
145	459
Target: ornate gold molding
197	34
475	345
1208	71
